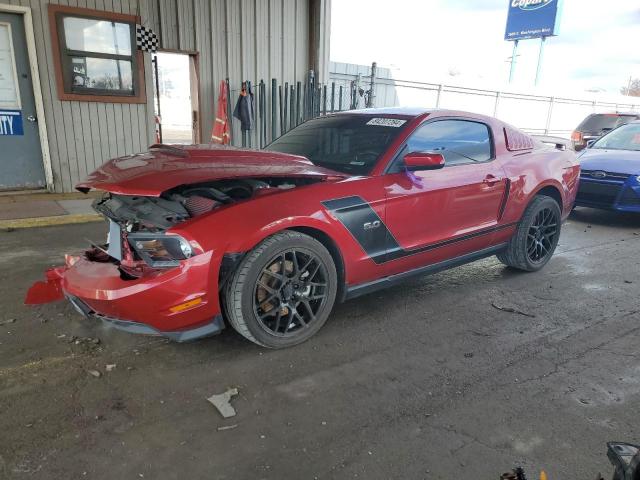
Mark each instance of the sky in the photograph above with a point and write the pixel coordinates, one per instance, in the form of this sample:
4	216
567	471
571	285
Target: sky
462	42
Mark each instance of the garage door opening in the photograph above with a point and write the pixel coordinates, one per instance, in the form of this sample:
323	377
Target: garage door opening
176	98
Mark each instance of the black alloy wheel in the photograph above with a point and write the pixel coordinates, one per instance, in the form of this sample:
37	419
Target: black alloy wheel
536	236
541	238
283	291
290	292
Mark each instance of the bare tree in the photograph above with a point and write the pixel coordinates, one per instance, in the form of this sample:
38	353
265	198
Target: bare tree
632	89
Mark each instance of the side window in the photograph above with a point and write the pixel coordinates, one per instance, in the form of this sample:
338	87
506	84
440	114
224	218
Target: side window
459	141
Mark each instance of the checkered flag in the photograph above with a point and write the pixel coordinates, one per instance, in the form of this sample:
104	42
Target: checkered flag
146	39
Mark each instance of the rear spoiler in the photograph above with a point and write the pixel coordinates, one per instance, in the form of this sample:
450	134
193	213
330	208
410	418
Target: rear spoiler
557	142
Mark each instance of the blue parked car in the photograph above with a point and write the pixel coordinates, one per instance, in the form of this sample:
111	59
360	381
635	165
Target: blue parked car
610	171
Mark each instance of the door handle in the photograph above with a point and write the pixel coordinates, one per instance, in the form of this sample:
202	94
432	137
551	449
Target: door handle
491	180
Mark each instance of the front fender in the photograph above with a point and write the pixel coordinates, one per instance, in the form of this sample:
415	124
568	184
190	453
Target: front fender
240	227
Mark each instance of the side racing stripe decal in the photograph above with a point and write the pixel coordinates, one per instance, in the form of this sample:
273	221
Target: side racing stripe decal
371	233
354	212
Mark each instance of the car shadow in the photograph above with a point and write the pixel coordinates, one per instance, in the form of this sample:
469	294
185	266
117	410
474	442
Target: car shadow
607	218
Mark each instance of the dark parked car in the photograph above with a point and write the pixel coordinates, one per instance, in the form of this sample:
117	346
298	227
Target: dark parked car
610	171
597	124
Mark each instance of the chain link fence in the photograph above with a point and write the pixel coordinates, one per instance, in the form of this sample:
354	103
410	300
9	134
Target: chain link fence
537	114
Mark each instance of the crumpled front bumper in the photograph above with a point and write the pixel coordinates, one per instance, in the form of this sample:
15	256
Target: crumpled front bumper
143	305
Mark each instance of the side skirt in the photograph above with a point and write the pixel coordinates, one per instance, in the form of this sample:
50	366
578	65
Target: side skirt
364	288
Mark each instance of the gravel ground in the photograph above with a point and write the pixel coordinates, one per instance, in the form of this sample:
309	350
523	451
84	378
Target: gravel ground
424	380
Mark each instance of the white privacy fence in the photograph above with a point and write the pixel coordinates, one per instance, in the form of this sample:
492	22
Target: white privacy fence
536	114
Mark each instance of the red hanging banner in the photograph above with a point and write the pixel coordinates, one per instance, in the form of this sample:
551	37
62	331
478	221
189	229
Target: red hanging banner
220	133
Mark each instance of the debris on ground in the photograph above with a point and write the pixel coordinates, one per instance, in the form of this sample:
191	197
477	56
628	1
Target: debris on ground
480	334
515	474
7	321
221	402
85	344
227	427
468	355
81	340
512	310
110	367
94	373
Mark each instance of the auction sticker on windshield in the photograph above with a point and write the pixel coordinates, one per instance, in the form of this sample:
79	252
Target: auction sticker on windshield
386	122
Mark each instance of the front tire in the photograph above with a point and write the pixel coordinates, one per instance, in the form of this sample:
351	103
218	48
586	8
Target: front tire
536	237
283	291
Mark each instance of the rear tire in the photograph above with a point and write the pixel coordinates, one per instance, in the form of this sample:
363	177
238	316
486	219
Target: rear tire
536	237
283	291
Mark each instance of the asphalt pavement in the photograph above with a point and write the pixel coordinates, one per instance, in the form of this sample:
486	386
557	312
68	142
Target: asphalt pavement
464	374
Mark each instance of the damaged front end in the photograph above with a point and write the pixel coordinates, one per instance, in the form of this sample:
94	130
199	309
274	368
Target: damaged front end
146	278
139	239
139	242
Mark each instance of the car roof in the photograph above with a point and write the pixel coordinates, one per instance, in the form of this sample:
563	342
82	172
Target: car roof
409	111
415	112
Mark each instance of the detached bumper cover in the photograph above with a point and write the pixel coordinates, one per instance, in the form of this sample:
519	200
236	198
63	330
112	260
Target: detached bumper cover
48	291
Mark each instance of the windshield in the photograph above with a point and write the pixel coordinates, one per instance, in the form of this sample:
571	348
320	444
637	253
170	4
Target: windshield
627	137
603	121
345	143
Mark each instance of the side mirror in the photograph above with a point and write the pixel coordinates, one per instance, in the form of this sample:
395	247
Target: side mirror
415	161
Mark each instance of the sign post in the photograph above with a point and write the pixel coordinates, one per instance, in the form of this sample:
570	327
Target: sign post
532	19
540	57
513	60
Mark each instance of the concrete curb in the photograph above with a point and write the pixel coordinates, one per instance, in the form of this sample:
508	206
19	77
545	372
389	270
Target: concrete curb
49	221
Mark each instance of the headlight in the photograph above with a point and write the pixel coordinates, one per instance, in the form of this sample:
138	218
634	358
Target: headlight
160	250
638	179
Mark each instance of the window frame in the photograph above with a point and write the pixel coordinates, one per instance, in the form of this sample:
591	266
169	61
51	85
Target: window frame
62	57
392	166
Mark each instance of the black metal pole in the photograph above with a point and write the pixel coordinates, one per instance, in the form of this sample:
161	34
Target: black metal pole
372	86
333	96
291	108
273	109
154	60
253	115
285	123
280	109
340	100
305	101
312	92
298	94
324	99
351	96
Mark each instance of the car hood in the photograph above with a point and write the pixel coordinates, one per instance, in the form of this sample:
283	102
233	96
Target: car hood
166	167
615	161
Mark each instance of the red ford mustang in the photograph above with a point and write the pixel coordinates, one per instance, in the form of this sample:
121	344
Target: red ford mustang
338	207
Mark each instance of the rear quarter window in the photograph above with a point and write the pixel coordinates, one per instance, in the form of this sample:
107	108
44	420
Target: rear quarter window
517	141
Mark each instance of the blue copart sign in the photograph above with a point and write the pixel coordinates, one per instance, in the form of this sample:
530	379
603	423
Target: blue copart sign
11	122
532	19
